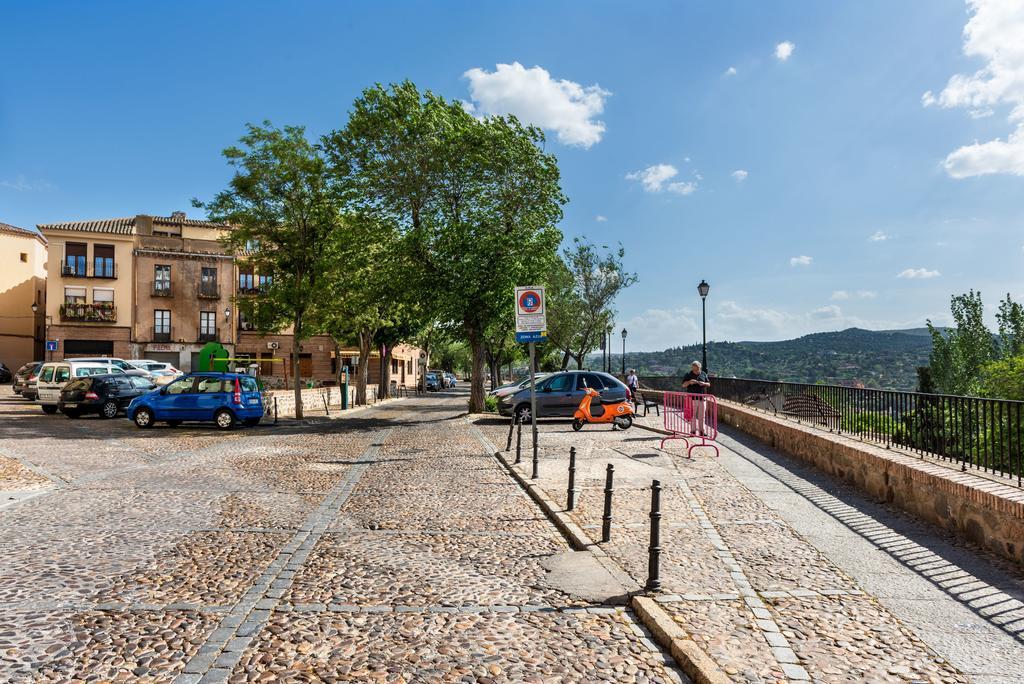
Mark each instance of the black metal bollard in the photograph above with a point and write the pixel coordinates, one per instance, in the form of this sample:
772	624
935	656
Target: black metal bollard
275	410
511	424
606	519
570	501
536	472
324	398
654	550
519	439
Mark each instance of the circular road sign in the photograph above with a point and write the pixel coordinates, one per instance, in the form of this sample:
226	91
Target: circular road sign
529	301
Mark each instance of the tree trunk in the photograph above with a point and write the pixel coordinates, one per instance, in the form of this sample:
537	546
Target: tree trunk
296	336
363	374
476	391
385	372
565	359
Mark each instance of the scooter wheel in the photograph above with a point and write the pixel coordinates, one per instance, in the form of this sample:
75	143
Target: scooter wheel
624	422
577	425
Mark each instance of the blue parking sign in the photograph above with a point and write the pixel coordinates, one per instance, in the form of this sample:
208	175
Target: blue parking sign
51	345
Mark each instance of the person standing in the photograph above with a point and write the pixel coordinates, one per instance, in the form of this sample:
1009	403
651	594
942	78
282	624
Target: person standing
632	381
696	383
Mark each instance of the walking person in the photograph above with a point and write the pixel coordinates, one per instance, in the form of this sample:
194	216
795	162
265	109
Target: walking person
696	383
632	381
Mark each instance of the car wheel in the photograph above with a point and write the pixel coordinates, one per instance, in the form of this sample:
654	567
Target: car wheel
174	423
144	418
49	409
224	419
109	409
523	414
251	422
72	413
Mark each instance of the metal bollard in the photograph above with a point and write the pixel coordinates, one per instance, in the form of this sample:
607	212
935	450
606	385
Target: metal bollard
519	440
324	398
570	500
606	519
536	465
654	550
511	424
275	410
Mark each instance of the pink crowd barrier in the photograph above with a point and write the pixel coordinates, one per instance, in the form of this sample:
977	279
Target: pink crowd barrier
682	415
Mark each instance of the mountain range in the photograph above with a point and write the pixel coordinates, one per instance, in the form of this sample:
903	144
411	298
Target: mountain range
875	358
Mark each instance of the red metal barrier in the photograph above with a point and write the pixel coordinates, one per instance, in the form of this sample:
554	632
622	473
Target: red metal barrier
691	417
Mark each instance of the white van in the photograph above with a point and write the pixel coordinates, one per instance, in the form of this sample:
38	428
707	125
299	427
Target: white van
55	374
112	363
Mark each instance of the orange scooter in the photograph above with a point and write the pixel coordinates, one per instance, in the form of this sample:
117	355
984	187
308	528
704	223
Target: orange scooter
619	413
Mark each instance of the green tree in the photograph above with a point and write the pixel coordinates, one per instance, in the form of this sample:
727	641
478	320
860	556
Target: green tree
960	353
1010	318
284	208
1004	379
478	200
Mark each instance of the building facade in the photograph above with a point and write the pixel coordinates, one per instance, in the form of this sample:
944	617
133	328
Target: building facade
22	287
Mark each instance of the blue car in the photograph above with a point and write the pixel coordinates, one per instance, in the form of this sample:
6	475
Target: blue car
221	398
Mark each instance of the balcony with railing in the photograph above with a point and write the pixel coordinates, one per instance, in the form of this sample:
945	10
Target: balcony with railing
101	270
209	292
101	312
162	289
208	336
162	336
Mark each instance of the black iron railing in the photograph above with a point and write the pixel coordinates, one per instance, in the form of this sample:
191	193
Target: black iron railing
975	433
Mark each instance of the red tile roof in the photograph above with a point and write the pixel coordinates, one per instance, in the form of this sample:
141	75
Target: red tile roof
126	226
21	232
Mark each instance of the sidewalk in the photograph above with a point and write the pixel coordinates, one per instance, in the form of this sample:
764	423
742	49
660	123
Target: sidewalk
743	580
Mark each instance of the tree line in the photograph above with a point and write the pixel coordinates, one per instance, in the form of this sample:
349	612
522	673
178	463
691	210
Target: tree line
411	223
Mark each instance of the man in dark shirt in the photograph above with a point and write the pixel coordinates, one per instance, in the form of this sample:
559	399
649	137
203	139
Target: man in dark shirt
696	382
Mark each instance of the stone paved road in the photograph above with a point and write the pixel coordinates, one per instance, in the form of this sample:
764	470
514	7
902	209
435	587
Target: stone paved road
386	546
778	573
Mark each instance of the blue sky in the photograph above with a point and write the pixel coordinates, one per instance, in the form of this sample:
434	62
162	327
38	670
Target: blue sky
856	131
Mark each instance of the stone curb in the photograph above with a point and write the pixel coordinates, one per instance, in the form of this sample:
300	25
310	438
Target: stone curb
693	661
697	664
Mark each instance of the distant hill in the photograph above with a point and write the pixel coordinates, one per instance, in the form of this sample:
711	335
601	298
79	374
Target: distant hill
877	358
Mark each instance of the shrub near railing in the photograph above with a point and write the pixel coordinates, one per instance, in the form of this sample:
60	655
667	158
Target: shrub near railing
974	432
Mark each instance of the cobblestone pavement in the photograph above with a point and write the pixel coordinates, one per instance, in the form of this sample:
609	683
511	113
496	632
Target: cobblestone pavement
762	599
384	546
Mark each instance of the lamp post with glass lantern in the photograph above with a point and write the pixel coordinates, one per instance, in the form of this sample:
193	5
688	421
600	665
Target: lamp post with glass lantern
702	289
624	333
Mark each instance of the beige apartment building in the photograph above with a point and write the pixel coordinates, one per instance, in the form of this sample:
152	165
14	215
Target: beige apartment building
160	288
22	285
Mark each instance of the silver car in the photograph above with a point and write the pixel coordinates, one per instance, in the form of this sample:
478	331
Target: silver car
560	394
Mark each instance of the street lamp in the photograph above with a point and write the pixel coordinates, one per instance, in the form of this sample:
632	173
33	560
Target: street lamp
703	290
608	346
624	333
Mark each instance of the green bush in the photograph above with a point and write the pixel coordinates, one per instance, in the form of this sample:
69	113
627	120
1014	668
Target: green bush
491	404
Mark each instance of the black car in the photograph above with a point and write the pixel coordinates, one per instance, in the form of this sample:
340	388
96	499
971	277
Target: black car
25	378
106	395
5	372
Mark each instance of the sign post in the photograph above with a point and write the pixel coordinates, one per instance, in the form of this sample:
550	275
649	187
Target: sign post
531	327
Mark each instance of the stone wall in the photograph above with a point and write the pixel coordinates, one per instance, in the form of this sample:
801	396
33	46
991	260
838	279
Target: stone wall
980	509
313	399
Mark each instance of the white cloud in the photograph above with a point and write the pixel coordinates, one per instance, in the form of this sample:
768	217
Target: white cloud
993	33
600	219
802	260
841	295
22	184
656	179
784	50
740	175
827	312
866	294
917	273
878	236
565	107
731	71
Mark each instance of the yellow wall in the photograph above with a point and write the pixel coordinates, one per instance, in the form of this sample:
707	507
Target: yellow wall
122	285
21	284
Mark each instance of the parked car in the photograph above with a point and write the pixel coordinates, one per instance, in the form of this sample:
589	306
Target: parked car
25	379
433	383
112	363
559	394
221	398
442	381
452	380
513	387
106	395
5	373
160	372
55	374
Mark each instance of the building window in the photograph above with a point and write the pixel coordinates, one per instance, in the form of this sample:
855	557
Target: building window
162	279
207	325
208	283
24	257
74	295
102	295
264	282
252	245
74	259
245	280
161	325
103	261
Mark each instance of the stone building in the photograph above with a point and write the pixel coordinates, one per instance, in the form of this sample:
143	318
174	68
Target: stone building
22	285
